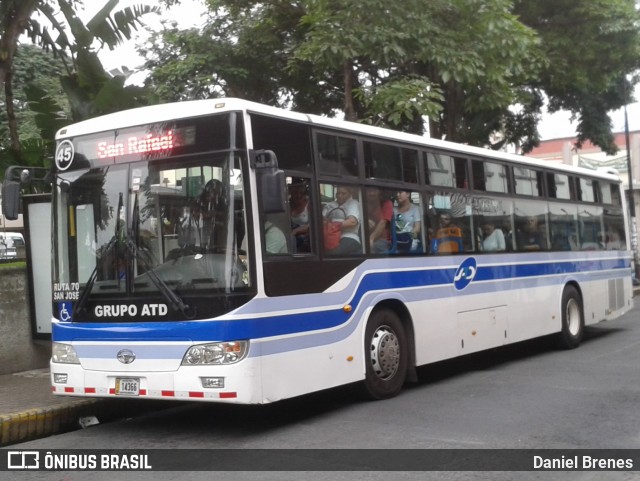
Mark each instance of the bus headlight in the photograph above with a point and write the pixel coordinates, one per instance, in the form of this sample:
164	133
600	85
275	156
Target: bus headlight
64	353
216	353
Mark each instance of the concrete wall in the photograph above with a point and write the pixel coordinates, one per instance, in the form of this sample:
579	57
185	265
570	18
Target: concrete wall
18	351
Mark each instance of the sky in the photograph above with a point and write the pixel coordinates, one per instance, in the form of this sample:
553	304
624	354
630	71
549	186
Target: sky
558	125
190	14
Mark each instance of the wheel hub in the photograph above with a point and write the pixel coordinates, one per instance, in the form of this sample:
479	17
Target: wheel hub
385	352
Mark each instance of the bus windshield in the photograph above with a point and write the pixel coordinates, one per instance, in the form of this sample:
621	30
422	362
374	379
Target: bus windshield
156	238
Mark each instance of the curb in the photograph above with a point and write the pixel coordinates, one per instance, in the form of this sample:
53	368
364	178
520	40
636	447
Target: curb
41	422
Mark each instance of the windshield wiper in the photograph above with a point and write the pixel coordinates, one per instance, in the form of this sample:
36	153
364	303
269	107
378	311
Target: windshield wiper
131	247
169	294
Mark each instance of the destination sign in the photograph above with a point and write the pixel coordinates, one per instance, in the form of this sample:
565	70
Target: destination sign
136	144
147	142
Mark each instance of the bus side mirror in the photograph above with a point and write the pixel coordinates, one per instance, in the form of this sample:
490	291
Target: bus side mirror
10	199
15	177
271	181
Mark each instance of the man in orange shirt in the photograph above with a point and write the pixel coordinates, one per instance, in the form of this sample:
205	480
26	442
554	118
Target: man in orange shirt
448	237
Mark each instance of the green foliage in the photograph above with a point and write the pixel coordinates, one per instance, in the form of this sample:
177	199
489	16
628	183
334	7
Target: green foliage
85	82
106	27
477	69
37	95
90	89
401	103
82	87
114	30
592	47
180	62
33	153
32	68
48	115
245	50
375	31
453	61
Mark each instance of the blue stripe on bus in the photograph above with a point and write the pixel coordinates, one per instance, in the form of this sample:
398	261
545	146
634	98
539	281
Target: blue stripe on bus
269	322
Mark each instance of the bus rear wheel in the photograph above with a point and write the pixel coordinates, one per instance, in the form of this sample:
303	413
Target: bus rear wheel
572	331
386	355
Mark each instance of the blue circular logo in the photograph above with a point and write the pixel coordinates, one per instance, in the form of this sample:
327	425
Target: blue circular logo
465	273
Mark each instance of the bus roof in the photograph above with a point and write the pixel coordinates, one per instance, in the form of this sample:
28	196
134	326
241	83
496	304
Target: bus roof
197	108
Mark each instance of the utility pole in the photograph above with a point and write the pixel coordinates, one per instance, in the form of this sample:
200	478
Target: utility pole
631	198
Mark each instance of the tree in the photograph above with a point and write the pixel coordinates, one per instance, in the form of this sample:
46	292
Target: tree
592	48
475	68
91	91
244	50
449	60
36	74
15	16
32	67
369	59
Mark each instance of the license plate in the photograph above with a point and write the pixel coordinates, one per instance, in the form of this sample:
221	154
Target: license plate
127	386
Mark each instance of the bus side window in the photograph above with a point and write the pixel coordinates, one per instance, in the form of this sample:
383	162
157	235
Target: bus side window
613	219
382	161
489	176
559	186
591	230
563	227
609	193
615	238
291	141
528	182
531	226
447	171
587	189
449	224
492	223
336	155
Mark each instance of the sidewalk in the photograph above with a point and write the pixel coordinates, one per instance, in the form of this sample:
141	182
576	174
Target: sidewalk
28	409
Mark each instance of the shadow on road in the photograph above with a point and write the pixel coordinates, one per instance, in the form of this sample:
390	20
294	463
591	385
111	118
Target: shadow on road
501	356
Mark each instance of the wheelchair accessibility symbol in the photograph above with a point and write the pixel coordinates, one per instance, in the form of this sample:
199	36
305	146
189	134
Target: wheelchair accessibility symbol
64	311
465	273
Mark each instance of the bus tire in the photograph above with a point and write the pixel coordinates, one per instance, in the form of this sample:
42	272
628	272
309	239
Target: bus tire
386	355
572	331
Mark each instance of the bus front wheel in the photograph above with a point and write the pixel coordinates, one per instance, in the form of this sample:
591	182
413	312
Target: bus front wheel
386	355
572	331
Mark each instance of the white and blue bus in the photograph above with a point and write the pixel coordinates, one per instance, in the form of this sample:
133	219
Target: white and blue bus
223	250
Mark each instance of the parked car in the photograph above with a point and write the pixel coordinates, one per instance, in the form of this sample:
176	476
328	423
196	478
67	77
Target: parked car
11	243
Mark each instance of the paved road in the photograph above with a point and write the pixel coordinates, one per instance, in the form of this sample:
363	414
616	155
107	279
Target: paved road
525	396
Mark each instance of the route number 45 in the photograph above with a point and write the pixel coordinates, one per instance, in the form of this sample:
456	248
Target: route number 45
64	155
